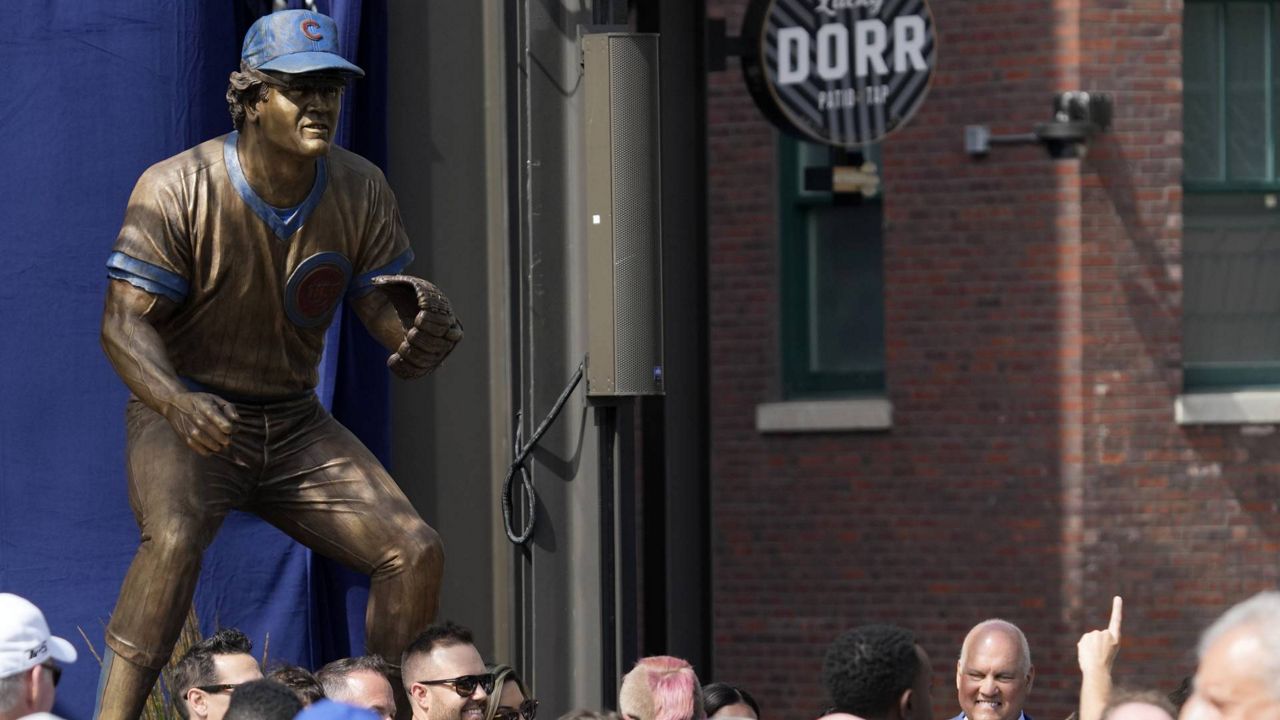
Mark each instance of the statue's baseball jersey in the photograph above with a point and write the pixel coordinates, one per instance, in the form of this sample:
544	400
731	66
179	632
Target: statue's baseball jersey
255	291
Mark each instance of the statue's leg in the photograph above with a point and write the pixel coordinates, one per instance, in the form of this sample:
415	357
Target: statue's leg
179	499
326	490
122	687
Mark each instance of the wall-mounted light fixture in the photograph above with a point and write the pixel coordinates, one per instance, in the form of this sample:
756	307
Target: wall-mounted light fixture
1077	116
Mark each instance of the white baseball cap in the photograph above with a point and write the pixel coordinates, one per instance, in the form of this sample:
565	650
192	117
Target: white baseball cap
24	637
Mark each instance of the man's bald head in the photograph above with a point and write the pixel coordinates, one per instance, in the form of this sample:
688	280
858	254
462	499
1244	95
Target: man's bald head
1239	671
985	632
994	672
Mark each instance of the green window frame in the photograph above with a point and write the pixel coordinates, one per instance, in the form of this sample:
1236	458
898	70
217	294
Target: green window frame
832	279
1231	174
1231	84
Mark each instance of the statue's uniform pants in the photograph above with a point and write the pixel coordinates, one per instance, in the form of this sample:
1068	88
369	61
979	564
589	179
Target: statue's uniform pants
296	467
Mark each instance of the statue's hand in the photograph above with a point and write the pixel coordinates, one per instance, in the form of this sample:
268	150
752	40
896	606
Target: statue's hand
206	422
431	329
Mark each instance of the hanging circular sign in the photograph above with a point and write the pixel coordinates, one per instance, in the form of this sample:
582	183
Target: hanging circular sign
841	72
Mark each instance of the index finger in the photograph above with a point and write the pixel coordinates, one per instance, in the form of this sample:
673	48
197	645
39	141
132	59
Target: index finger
1117	614
227	408
222	414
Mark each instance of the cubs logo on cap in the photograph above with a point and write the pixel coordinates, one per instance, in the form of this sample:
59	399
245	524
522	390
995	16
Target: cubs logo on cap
295	41
311	29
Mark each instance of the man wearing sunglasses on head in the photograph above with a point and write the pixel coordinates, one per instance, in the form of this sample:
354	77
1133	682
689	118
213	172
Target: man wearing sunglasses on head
207	675
29	657
444	675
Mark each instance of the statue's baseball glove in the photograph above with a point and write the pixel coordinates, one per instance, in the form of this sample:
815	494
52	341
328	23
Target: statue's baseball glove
431	330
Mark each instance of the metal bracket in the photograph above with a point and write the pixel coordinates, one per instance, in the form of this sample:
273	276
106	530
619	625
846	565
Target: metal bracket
1077	117
978	139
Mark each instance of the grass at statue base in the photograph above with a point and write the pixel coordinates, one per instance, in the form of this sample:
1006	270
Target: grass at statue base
159	705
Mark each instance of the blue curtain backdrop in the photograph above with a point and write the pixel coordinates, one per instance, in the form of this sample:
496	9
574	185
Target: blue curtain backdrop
93	92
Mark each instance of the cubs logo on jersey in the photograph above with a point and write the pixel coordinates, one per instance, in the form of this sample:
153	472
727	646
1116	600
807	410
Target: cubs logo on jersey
315	288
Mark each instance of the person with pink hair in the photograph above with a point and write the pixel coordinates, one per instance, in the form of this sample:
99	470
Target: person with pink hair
661	688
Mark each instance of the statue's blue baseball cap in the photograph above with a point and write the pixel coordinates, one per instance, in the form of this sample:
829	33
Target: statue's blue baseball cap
295	41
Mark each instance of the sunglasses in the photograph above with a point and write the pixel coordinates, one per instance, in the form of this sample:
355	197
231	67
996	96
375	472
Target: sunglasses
465	685
219	688
528	710
54	670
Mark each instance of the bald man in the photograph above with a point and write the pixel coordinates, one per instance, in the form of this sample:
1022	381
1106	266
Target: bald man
994	672
1239	673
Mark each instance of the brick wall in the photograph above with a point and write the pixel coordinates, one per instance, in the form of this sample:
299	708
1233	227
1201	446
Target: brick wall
1032	351
1183	519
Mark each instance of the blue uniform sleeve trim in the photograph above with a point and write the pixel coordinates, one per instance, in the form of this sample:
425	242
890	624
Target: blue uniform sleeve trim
364	283
152	278
283	230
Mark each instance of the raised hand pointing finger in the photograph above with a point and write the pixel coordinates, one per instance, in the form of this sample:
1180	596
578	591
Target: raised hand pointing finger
1117	614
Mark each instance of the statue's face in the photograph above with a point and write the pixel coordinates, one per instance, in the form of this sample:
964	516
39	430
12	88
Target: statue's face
302	117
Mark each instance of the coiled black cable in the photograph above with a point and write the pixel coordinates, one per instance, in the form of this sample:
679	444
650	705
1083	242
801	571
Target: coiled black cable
521	453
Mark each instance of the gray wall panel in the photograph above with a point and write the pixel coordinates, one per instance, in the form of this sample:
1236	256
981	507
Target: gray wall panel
442	450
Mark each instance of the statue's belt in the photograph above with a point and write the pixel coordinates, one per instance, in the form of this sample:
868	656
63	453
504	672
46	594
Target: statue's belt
245	399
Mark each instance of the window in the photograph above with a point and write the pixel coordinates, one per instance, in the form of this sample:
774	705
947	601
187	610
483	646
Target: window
1230	87
832	277
1231	179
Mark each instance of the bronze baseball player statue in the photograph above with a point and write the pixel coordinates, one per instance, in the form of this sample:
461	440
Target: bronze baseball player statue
231	261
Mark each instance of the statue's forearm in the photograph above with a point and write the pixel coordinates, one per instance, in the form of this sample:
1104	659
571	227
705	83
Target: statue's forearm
135	348
380	318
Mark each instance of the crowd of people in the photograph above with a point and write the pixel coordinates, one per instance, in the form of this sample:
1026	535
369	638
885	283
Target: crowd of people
873	672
